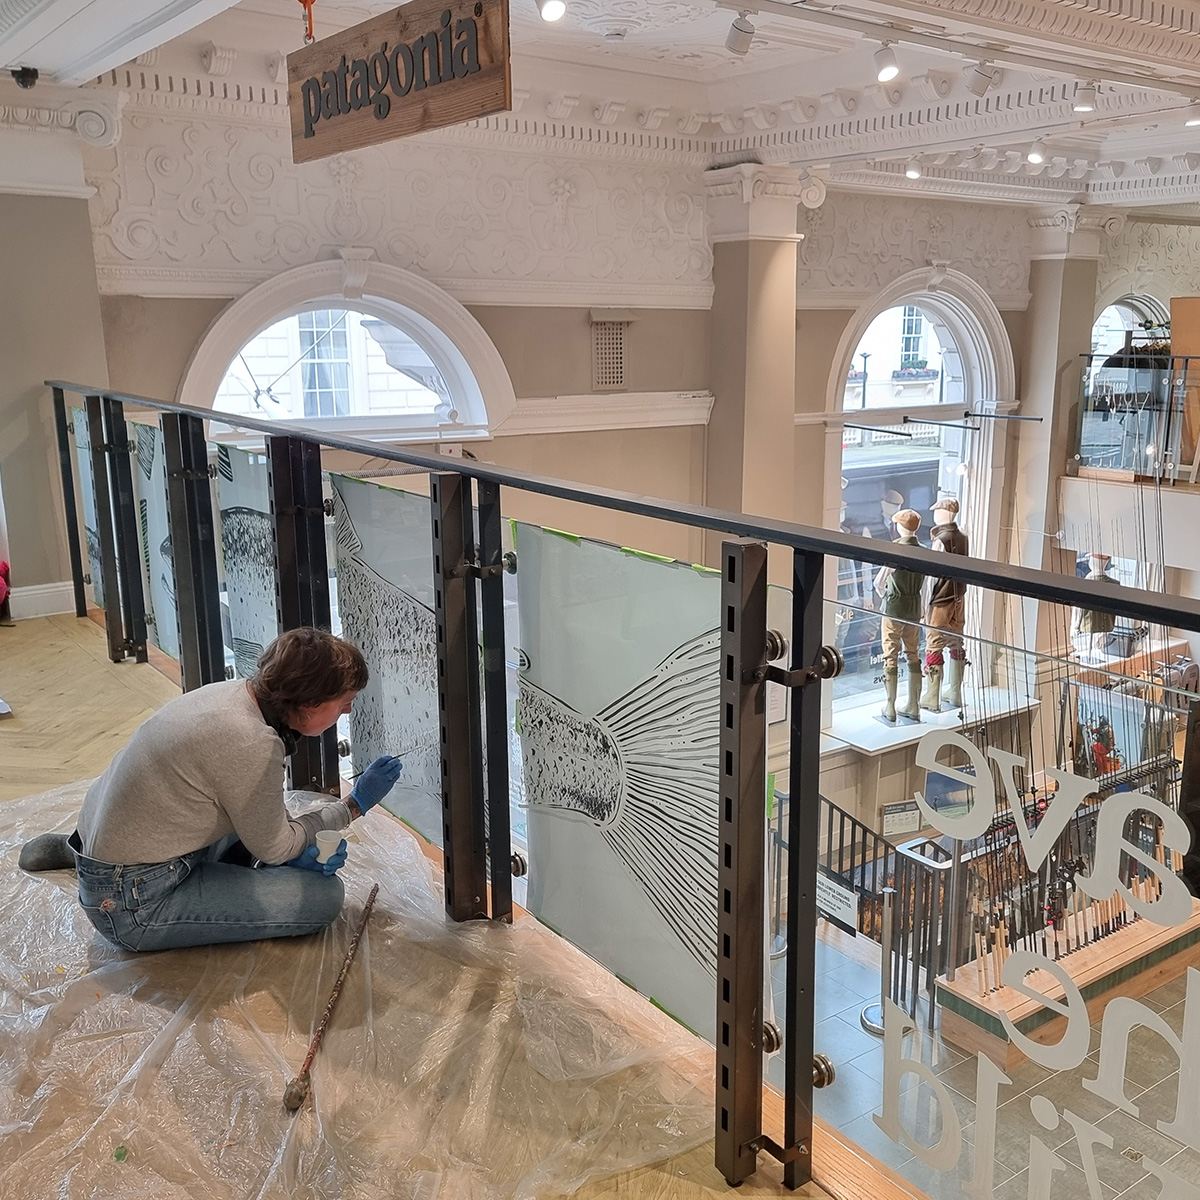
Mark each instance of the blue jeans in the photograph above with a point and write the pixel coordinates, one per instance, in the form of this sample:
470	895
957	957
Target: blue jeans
197	900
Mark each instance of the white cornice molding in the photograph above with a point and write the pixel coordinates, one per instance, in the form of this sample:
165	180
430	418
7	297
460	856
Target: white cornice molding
810	299
606	410
184	282
1159	34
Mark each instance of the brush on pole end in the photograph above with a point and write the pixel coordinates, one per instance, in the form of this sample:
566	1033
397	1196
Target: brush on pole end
296	1093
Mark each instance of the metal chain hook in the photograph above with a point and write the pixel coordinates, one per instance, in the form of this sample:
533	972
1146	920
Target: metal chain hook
307	5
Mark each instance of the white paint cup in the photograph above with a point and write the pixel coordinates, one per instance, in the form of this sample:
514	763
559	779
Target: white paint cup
328	841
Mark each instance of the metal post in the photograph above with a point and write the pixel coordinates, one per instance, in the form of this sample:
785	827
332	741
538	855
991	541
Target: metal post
957	908
743	755
193	551
495	699
104	531
68	486
128	535
302	581
803	838
463	823
871	1017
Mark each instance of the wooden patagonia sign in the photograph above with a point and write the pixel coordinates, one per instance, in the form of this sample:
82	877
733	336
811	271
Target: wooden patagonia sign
422	66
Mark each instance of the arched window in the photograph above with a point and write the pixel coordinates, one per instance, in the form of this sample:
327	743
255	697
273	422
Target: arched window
902	359
930	349
336	363
357	345
1127	315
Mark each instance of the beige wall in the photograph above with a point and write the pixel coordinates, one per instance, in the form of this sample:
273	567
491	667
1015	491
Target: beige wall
548	351
666	463
149	342
50	328
663	463
817	335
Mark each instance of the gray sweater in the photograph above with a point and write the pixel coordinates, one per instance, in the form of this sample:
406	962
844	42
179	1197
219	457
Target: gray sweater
204	766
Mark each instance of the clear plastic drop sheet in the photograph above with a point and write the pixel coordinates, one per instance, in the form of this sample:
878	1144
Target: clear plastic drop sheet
464	1062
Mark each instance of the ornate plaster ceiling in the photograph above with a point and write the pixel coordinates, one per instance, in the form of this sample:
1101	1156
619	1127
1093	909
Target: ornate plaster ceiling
651	80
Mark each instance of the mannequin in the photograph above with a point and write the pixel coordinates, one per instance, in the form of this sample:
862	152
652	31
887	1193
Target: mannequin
900	593
946	614
1090	629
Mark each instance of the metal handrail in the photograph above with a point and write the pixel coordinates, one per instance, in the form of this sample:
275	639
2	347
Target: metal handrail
1178	612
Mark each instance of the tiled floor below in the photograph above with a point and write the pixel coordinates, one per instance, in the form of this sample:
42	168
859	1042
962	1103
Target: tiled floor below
845	986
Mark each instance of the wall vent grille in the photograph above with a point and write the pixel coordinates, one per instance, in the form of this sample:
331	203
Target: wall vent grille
608	355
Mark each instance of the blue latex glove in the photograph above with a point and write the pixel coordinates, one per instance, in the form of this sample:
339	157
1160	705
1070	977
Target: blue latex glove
376	781
307	860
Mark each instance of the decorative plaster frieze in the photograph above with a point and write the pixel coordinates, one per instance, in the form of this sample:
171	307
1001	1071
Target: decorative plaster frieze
619	410
1158	259
185	207
277	68
148	58
855	245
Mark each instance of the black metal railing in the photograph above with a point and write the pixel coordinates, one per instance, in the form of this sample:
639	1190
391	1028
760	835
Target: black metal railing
477	842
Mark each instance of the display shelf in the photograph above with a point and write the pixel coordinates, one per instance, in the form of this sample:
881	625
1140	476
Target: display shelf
1133	960
861	729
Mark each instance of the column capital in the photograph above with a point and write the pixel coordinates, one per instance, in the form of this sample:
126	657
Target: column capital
1073	230
750	201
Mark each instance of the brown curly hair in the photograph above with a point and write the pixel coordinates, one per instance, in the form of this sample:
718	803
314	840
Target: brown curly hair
305	667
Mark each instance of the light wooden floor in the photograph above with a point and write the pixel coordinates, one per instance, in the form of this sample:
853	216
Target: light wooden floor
73	709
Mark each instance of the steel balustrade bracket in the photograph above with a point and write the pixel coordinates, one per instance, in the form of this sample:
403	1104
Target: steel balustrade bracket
464	807
65	433
194	552
829	666
125	524
804	817
741	870
113	630
488	567
302	581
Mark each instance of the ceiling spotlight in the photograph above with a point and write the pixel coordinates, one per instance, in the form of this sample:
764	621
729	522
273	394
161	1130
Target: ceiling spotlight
1191	115
740	35
1085	97
886	66
913	170
980	76
552	10
1036	153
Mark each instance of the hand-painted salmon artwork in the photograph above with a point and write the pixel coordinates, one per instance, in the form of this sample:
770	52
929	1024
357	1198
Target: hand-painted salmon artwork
644	770
248	548
397	712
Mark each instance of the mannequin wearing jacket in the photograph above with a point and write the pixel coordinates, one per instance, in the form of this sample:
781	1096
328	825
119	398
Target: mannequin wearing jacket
900	604
945	615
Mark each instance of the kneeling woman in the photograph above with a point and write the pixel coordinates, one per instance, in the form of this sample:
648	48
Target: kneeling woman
168	836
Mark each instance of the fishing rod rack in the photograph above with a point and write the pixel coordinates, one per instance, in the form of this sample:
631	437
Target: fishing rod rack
478	854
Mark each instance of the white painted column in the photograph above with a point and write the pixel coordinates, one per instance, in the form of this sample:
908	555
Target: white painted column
752	222
1062	283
